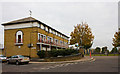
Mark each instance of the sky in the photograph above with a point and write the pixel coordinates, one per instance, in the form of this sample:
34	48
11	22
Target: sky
102	17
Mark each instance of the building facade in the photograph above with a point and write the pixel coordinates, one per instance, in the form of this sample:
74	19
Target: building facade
28	35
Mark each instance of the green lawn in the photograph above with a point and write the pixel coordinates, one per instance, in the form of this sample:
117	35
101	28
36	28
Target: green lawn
102	55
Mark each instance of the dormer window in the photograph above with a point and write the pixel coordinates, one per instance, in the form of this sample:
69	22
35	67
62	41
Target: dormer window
19	37
46	29
42	26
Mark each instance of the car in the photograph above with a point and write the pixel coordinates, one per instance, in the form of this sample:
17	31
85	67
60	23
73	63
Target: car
17	59
3	58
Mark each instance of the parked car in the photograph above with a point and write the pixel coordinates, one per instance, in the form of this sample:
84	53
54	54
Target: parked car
17	59
3	58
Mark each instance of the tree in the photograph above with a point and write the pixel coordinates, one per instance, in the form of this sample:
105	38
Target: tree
97	50
104	49
82	35
116	39
114	50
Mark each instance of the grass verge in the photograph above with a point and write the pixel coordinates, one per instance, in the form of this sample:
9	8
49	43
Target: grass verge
103	55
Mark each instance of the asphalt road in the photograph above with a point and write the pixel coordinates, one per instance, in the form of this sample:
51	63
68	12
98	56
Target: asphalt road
101	64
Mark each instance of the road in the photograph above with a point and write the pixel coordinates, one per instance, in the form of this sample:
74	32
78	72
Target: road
101	64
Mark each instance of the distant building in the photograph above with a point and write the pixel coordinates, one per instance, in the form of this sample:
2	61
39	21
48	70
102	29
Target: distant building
28	35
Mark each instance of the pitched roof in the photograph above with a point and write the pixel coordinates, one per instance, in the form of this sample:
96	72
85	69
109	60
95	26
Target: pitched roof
28	19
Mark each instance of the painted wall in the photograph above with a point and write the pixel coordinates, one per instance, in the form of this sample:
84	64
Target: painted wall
12	49
30	35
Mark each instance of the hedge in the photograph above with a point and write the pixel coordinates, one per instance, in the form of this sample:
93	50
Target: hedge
59	52
41	54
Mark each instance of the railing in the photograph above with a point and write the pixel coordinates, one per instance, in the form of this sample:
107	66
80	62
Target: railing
52	43
45	41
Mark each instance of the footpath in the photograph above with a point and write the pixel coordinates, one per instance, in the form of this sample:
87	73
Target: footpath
84	59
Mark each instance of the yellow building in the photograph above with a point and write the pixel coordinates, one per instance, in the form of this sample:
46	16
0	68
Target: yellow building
28	35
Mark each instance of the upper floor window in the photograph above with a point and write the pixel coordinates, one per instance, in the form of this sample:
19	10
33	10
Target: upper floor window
46	28
50	30
39	25
19	37
61	42
56	41
44	38
51	39
42	26
38	36
53	32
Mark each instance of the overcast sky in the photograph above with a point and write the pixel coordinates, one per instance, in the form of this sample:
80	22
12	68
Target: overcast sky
102	17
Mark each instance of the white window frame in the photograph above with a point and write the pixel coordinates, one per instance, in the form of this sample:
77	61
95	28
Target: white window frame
61	42
55	41
46	29
51	39
19	33
42	26
53	32
50	30
48	38
44	37
41	36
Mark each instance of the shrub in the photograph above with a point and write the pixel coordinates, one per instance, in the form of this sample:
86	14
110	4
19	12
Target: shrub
41	54
53	53
59	52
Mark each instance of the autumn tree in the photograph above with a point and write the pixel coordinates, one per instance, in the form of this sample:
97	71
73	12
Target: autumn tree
82	35
116	39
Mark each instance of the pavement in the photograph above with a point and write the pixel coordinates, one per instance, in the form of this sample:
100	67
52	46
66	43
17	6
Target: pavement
86	58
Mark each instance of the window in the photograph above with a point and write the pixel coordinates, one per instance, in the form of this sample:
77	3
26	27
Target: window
21	56
44	38
58	34
41	38
46	29
51	39
38	36
61	42
53	32
50	30
14	57
48	39
42	26
19	37
56	41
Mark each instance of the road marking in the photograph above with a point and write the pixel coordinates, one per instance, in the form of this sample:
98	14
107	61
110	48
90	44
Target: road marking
45	68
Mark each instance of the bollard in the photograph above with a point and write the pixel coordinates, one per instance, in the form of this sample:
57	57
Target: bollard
90	54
